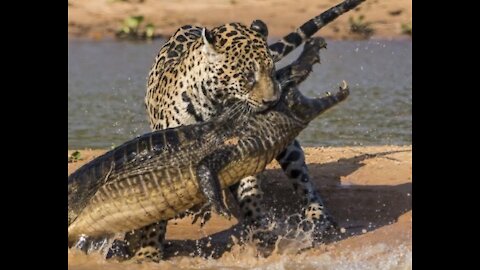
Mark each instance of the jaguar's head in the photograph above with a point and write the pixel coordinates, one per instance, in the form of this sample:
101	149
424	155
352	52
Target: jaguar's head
240	66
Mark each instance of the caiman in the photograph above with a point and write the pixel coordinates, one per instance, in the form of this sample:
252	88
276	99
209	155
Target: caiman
164	173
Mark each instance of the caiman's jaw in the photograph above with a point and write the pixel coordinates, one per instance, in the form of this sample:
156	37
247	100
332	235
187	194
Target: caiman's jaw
306	109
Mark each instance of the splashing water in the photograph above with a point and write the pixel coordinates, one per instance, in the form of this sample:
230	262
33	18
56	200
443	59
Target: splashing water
379	256
291	250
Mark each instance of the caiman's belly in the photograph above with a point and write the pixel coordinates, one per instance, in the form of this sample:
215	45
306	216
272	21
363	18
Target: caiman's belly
236	171
139	201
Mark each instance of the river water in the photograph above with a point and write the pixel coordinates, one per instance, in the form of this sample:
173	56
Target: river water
107	84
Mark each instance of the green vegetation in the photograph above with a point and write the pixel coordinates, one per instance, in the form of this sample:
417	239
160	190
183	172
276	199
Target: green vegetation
395	12
407	28
360	27
132	29
74	157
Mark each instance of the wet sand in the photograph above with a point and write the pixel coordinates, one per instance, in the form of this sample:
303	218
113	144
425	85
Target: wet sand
101	19
367	190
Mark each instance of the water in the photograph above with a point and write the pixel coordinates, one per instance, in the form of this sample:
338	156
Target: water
375	257
107	84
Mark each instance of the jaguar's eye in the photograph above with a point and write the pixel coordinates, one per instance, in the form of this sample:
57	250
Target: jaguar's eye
251	79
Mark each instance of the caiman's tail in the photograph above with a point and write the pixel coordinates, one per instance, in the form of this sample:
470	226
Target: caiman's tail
291	41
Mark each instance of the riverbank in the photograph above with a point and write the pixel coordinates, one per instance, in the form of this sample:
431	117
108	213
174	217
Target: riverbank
94	19
368	188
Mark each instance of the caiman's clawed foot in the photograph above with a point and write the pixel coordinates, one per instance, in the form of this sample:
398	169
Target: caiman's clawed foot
205	213
222	210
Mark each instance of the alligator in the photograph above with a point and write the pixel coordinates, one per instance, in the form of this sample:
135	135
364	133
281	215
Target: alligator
164	173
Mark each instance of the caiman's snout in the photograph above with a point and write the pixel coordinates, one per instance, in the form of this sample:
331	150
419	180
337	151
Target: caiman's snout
307	109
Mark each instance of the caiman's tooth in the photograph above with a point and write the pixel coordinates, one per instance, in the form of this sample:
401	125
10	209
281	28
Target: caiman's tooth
328	94
344	85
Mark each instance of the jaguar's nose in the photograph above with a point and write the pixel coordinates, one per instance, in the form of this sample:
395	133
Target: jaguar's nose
269	102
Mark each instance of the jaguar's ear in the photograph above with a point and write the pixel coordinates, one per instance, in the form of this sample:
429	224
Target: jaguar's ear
260	27
208	39
208	47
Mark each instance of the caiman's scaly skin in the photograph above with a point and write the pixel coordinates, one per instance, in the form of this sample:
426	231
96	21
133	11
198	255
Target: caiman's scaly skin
164	173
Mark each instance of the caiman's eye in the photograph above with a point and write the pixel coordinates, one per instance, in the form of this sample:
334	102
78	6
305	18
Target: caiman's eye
251	79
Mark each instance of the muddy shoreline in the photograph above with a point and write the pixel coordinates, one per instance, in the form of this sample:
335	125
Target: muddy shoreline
368	188
96	20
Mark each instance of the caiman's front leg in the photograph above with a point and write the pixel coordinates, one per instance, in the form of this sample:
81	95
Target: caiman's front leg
146	244
209	183
211	189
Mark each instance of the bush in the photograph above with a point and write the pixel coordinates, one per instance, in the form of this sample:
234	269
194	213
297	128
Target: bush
360	27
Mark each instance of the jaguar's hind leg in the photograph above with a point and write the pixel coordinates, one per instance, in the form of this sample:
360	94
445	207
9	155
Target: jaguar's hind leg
149	246
255	218
249	196
145	244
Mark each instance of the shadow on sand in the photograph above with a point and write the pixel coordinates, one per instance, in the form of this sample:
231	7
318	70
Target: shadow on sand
354	207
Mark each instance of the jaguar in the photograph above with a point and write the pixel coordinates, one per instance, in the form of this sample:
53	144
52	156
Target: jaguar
197	73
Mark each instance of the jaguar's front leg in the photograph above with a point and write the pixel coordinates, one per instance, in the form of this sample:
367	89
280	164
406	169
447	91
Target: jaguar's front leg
292	161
